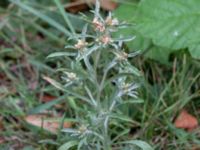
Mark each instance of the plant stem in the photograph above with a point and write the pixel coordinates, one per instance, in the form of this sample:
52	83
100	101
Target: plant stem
106	142
101	86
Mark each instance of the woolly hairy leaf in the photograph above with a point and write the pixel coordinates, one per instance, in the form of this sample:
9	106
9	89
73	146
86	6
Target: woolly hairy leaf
68	145
141	144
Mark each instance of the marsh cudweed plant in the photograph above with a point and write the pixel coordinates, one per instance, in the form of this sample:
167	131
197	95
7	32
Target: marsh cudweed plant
99	80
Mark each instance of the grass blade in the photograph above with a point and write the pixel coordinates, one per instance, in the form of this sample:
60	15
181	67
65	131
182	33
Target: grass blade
43	17
64	14
141	144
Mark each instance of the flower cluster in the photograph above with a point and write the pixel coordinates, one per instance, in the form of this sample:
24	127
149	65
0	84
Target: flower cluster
70	78
104	28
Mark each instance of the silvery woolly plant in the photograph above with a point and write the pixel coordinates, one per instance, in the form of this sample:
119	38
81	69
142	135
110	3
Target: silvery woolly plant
100	81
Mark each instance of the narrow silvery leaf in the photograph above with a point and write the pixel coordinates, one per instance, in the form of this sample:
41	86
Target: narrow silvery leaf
106	124
80	36
132	95
131	69
113	104
109	15
68	145
81	143
124	132
98	135
97	7
84	31
88	65
87	53
131	101
69	130
90	95
48	141
53	82
69	47
125	25
111	65
58	54
122	117
141	144
133	86
125	39
68	84
134	54
120	43
115	45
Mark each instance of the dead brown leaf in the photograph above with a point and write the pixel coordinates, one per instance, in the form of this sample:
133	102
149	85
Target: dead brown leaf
195	147
76	6
81	5
47	98
2	140
186	121
48	123
1	123
107	4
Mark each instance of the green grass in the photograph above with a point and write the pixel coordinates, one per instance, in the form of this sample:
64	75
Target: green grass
27	36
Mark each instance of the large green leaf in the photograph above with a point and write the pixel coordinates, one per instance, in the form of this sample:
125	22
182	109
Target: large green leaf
159	54
127	12
195	50
174	24
170	24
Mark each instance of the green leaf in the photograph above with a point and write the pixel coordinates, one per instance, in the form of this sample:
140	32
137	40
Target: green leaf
139	43
48	105
173	24
126	12
54	83
28	148
195	51
37	13
58	54
68	145
170	24
60	87
141	144
48	141
64	14
132	69
159	54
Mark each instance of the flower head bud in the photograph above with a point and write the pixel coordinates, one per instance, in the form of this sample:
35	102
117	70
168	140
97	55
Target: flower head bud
115	22
112	22
122	56
81	44
125	87
82	129
106	39
99	26
72	76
